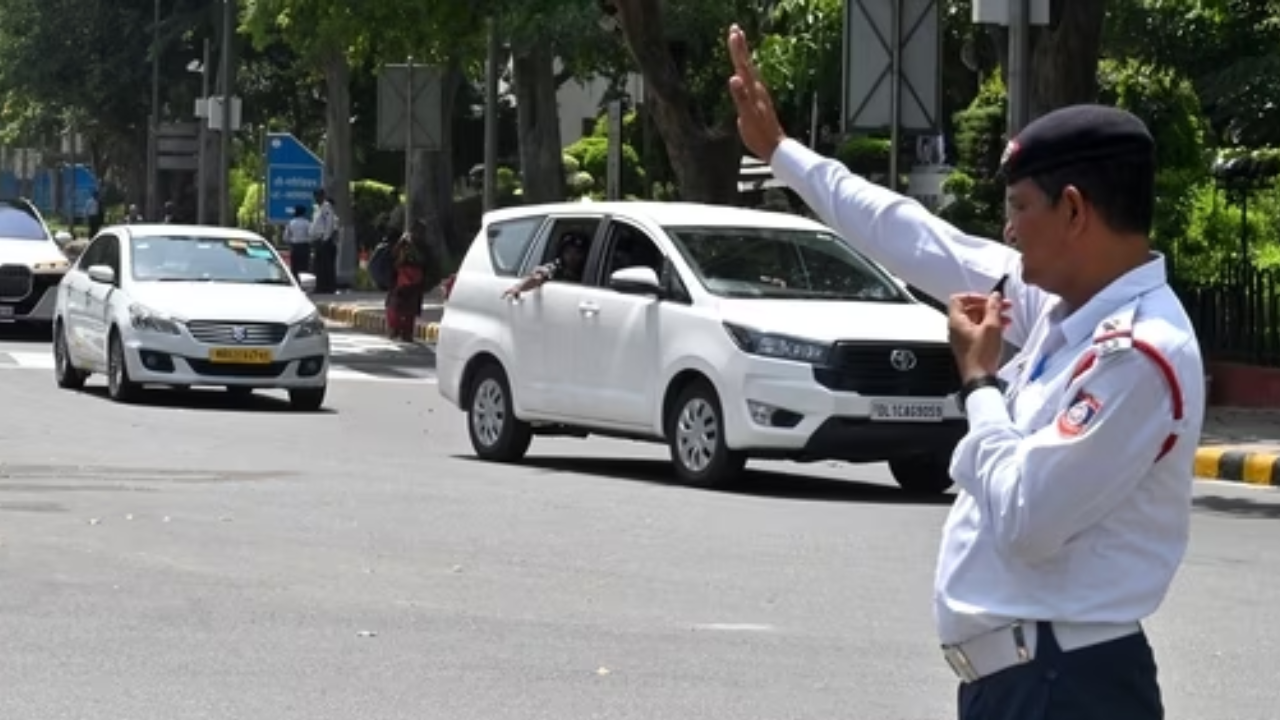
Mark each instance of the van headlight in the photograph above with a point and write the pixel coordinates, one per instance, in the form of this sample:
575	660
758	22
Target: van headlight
780	347
310	326
144	318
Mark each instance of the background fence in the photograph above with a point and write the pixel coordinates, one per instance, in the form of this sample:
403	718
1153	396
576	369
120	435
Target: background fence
1237	315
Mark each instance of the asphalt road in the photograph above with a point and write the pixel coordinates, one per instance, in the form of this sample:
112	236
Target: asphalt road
192	559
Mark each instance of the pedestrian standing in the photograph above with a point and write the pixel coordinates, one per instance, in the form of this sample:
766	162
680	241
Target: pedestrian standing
324	236
297	235
1075	478
404	300
93	213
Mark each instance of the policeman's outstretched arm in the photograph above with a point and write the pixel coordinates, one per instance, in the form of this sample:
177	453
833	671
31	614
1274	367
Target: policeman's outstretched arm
894	230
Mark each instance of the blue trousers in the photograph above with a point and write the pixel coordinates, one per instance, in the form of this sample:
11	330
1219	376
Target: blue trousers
1114	680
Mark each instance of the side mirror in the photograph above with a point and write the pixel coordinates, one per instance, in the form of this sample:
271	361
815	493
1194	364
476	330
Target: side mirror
102	274
636	281
307	281
62	237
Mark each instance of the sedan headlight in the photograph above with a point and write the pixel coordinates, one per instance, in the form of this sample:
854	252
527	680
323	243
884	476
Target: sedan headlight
144	318
778	346
310	326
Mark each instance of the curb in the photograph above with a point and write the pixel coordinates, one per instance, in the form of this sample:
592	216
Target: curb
373	320
1259	469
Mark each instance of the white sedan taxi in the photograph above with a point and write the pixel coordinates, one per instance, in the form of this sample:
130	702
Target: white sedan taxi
188	306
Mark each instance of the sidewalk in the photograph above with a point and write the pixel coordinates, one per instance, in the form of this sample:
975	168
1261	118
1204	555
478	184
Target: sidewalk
1237	445
366	312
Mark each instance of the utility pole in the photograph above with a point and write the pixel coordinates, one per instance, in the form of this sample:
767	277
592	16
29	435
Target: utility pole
153	136
228	88
493	70
202	177
1019	91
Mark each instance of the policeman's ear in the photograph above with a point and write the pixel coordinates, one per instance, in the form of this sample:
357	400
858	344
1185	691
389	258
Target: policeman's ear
1074	209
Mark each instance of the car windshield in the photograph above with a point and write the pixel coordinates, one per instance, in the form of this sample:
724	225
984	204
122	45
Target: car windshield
790	264
18	224
170	258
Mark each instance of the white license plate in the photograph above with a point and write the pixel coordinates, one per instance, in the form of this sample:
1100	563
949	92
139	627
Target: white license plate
915	411
6	311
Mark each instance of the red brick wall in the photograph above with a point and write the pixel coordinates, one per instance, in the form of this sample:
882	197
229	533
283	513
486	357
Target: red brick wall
1249	386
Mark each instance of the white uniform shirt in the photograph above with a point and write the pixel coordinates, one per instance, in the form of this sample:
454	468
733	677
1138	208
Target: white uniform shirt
325	222
298	231
1060	516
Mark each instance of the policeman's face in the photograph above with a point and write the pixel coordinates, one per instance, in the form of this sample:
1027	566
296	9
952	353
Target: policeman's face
1044	231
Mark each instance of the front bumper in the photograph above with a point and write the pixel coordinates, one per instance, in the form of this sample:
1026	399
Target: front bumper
781	411
160	359
35	304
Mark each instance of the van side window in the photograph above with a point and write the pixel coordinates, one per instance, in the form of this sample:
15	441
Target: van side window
568	226
631	247
509	242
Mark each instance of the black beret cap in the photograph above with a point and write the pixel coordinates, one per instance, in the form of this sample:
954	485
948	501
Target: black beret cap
1076	135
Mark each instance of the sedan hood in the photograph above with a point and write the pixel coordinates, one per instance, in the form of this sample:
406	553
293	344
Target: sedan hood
224	301
829	321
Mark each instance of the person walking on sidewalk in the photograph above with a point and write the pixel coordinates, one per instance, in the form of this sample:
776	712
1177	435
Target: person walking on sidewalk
1075	478
404	300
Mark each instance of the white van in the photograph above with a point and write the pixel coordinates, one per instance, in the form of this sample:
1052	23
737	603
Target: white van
727	334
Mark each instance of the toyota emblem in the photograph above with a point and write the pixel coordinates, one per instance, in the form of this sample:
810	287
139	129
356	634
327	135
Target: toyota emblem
902	360
239	334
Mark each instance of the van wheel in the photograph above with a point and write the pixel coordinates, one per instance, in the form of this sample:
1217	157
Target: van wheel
496	433
922	474
695	434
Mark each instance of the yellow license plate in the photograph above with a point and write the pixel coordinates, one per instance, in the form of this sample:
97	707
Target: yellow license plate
241	356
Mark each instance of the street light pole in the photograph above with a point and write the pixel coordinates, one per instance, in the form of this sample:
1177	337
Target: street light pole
228	87
153	136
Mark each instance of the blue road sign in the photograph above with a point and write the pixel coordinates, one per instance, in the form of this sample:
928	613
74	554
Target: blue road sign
294	173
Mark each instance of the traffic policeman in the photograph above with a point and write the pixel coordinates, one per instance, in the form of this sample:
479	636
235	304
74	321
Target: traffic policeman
1075	478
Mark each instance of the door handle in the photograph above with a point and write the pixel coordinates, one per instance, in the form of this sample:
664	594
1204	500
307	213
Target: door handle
588	308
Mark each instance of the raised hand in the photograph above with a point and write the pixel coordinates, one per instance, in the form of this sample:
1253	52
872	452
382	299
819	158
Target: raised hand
757	120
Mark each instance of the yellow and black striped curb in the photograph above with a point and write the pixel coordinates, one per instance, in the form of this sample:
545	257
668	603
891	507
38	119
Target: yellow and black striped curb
373	320
1261	469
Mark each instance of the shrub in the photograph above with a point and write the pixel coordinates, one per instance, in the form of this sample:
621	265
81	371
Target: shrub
592	155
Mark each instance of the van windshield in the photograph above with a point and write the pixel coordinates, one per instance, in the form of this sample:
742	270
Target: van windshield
771	263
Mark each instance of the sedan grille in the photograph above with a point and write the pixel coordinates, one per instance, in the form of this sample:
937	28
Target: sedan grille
229	333
15	282
890	370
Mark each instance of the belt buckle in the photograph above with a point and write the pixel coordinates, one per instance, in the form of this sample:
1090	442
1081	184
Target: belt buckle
959	663
963	667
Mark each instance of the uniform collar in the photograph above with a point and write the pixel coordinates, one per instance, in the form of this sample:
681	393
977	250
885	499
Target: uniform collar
1081	324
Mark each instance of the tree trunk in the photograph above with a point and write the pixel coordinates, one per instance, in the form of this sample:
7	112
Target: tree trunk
431	192
538	124
705	160
1064	55
337	76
